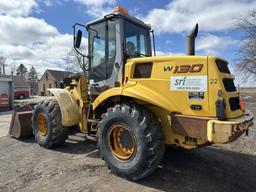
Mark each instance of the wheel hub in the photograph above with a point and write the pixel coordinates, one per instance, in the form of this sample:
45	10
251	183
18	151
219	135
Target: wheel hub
41	122
122	142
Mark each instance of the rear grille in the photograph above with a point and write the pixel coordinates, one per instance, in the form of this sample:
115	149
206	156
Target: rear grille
234	103
229	85
222	66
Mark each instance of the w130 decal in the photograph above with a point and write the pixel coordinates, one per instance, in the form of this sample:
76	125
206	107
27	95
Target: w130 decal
195	68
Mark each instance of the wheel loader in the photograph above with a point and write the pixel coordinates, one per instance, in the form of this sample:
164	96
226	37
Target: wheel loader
134	103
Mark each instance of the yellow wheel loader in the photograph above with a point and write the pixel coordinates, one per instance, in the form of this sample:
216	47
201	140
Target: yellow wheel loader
135	103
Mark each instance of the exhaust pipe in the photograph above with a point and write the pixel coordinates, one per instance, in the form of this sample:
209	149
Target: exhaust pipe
191	40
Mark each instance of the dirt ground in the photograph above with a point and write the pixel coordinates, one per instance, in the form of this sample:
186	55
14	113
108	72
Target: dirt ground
76	166
5	118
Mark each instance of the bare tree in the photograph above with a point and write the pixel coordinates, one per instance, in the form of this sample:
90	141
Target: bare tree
76	62
2	65
247	54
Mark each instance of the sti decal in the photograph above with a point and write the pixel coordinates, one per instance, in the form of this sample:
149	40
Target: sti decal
195	68
189	83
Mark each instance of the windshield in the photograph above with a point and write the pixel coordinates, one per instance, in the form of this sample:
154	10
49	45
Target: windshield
137	40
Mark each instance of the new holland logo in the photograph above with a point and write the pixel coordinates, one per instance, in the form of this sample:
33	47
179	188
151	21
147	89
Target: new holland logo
195	68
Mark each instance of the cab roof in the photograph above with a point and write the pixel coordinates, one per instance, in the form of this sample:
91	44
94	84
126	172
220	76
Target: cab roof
119	15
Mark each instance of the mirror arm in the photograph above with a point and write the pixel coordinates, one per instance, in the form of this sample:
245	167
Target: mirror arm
97	33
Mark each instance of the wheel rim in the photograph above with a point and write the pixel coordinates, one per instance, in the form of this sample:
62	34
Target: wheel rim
122	142
41	122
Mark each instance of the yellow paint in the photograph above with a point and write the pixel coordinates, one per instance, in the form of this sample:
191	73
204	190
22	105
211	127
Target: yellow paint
156	91
116	145
73	103
220	131
73	100
170	137
79	93
213	73
69	109
106	95
41	123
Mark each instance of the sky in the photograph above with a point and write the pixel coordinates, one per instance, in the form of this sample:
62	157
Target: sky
39	32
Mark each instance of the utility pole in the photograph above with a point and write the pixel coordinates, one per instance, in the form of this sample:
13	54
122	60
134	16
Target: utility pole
12	91
2	65
4	68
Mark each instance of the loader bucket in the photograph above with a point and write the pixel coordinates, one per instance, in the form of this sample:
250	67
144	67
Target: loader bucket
20	126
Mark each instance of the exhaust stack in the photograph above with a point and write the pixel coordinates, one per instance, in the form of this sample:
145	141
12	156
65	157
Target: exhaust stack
191	40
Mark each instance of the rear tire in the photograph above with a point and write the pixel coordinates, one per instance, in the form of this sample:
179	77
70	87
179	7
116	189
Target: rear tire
47	124
145	145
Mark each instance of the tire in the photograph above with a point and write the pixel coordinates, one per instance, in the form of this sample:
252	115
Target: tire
21	96
47	114
146	137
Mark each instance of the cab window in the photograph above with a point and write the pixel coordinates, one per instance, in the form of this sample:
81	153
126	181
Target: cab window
137	40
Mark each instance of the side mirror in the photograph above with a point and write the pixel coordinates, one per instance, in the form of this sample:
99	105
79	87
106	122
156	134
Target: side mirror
78	39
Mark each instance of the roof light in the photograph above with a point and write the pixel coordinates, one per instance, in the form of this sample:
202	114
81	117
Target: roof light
120	9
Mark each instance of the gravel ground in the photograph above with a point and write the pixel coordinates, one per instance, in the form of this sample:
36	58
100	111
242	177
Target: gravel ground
76	166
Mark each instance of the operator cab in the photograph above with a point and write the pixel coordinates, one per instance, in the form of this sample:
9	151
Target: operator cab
111	41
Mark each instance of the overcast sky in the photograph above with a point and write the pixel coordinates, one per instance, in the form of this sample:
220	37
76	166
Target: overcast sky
39	32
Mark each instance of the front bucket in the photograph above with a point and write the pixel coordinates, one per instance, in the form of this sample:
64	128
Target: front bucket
21	122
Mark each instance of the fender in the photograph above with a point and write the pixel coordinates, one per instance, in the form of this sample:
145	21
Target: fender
144	93
68	107
138	92
106	95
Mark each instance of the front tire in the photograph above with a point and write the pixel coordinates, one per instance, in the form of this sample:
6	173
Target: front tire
47	124
131	141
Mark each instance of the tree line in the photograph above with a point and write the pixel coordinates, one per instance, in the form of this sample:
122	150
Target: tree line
247	55
31	77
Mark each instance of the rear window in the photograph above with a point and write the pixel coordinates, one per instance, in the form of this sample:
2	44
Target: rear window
229	85
222	66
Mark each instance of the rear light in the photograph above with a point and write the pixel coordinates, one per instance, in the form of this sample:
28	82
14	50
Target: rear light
241	103
220	106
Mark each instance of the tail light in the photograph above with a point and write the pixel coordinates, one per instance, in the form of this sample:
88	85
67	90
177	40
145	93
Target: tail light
241	103
220	106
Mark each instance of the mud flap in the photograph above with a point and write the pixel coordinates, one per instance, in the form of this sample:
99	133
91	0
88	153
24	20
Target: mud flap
21	125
